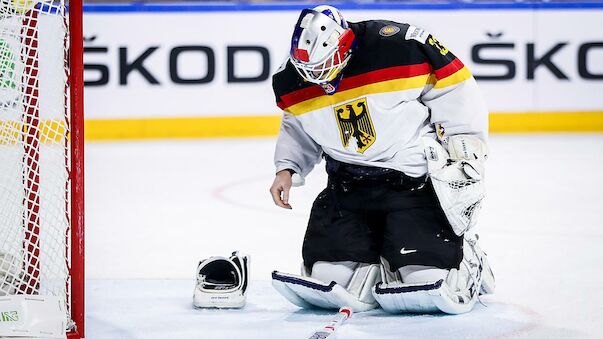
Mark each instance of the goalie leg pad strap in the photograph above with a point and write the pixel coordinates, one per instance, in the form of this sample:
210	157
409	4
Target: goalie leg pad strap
308	292
474	253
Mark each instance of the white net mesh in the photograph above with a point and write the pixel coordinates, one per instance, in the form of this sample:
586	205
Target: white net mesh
34	149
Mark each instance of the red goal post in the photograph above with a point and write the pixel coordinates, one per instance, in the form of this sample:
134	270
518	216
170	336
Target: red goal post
41	169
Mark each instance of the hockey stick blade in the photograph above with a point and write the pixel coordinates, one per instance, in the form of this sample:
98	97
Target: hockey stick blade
328	332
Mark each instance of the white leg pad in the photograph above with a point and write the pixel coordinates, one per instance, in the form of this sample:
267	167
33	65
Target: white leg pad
405	291
422	298
308	292
340	272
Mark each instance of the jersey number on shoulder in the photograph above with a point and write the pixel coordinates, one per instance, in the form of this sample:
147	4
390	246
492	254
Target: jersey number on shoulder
435	43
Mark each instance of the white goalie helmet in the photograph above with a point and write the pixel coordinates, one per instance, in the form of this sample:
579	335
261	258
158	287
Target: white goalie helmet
321	44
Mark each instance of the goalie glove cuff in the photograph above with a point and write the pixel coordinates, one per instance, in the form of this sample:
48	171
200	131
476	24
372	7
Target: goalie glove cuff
466	147
222	282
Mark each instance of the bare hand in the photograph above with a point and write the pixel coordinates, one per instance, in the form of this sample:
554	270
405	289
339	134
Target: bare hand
280	189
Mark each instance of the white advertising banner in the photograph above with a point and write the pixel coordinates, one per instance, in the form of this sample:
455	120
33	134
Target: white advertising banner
219	63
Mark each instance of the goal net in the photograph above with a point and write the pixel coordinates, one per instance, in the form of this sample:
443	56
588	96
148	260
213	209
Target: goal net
36	174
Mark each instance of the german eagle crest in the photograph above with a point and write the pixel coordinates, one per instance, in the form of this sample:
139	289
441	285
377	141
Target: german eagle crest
355	125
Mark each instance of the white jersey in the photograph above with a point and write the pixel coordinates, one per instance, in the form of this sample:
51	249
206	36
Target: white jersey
399	85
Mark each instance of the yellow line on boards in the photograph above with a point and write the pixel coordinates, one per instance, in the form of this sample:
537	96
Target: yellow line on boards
542	122
268	125
182	128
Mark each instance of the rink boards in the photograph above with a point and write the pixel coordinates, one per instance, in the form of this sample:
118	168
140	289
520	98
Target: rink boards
190	71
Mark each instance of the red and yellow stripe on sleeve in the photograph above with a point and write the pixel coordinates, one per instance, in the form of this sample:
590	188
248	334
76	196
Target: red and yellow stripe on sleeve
451	74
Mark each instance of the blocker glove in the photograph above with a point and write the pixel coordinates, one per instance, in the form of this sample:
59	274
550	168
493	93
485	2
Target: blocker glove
222	282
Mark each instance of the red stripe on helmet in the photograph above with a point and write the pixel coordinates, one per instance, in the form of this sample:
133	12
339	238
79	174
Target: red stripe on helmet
345	41
301	55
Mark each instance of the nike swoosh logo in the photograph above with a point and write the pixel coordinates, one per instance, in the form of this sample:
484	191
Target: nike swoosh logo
405	251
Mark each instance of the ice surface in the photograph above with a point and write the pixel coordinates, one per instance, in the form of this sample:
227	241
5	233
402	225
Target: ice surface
162	309
155	208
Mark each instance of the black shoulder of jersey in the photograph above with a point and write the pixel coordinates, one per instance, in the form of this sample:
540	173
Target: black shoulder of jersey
379	44
410	45
383	44
371	31
286	80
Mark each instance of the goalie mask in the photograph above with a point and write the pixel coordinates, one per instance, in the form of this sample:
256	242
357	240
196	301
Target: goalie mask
321	46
